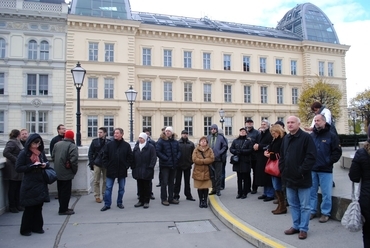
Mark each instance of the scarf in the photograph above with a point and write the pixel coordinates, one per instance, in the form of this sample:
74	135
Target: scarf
35	155
141	146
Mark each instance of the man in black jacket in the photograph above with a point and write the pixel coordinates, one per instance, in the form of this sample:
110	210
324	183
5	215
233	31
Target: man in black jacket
168	152
117	158
252	134
328	152
297	157
61	131
96	163
184	167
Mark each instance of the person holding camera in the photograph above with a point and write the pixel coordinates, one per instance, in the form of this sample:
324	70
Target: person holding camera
242	147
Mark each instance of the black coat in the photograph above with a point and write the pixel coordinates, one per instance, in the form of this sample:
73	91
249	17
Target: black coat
242	146
144	162
186	148
11	151
297	157
34	189
360	170
168	151
96	146
117	158
263	140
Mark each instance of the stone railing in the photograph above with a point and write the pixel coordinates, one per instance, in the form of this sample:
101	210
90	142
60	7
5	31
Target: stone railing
81	184
34	6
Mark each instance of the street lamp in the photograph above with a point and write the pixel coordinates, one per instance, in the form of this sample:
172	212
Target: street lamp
354	116
131	97
222	115
78	74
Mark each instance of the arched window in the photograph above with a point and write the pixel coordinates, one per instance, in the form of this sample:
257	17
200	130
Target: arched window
44	50
32	49
2	48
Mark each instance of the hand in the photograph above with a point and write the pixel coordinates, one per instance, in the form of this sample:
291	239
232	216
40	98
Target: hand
43	165
266	153
255	147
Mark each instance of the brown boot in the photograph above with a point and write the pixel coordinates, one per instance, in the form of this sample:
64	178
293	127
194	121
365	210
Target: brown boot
281	209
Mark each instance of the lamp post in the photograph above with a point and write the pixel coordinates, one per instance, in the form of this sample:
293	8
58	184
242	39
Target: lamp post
354	115
131	97
78	74
222	115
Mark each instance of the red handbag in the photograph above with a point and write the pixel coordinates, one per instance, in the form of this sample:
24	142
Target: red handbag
272	166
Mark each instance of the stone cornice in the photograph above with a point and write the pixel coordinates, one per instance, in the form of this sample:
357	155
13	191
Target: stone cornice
203	79
188	78
165	77
146	76
228	80
102	73
247	82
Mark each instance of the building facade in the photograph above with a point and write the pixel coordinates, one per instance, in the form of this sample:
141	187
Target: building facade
32	66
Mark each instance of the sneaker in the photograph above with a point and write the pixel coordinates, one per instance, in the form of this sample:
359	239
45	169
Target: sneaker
324	219
146	205
68	212
139	204
165	203
174	201
120	206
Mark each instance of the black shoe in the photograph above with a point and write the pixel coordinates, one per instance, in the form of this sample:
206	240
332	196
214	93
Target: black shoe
158	185
254	192
13	210
20	208
39	231
268	199
174	201
68	212
244	196
190	198
222	188
212	193
105	208
120	206
218	193
238	196
262	197
152	197
139	204
26	233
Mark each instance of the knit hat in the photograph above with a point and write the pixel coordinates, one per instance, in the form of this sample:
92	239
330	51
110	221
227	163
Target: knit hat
242	129
143	135
214	126
69	134
280	123
169	129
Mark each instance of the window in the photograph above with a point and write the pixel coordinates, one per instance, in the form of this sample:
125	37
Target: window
147	91
227	93
37	121
2	83
206	61
207	92
2	121
92	126
167	91
279	65
246	63
321	68
187	59
188	124
109	52
247	94
147	56
263	94
109	124
32	50
37	84
263	65
93	51
279	95
207	125
294	96
330	69
92	88
2	48
44	50
227	62
280	119
167	58
167	121
228	126
188	92
147	122
293	67
108	88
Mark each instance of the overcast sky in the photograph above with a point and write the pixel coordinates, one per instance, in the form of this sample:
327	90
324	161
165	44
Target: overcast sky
351	21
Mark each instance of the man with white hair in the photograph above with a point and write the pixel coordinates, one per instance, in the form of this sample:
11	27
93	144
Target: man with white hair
168	152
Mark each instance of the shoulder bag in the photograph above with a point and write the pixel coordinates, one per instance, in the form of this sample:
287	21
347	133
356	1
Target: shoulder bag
234	159
49	174
352	218
272	166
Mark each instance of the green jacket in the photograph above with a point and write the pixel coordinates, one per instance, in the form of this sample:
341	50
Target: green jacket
65	150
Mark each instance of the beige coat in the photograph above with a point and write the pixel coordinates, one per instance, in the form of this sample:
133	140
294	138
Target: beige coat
202	157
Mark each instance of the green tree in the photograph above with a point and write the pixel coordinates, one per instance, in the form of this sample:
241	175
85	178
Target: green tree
320	91
361	104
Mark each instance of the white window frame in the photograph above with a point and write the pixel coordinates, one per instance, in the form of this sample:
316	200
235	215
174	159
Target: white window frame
147	90
227	93
167	58
247	94
167	91
293	67
109	52
187	59
294	95
92	126
93	51
264	94
108	88
44	50
188	92
207	92
227	62
39	87
207	61
246	63
279	95
188	124
263	65
92	88
279	66
147	56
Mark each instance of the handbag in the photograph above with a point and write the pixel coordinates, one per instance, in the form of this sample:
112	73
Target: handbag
272	166
49	174
352	218
234	159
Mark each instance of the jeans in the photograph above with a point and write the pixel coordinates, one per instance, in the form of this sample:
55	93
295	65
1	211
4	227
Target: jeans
108	191
299	202
177	188
99	172
325	181
168	180
276	183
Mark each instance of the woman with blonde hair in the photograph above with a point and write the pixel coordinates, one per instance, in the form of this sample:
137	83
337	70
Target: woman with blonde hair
277	133
203	158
